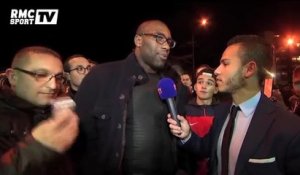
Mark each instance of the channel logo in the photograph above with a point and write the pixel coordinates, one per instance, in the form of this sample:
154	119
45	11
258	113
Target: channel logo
33	16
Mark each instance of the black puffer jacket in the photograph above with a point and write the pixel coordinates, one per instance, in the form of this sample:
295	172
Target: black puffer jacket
20	152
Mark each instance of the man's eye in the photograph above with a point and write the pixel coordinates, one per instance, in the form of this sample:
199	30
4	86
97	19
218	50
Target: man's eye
225	63
159	37
80	68
59	77
41	75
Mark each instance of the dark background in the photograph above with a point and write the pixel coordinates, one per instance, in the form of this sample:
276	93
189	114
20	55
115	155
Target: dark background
105	32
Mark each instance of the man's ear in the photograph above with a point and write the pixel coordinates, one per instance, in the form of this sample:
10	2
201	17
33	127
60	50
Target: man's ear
195	87
216	90
67	75
138	40
11	76
250	69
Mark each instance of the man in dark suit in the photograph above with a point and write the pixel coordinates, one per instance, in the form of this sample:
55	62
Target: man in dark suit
265	137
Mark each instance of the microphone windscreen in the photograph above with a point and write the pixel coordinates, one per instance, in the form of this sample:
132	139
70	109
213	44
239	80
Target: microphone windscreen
166	88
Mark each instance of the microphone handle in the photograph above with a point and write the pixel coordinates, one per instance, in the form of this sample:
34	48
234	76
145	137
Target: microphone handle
173	111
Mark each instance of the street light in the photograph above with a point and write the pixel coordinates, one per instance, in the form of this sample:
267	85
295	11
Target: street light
290	41
203	22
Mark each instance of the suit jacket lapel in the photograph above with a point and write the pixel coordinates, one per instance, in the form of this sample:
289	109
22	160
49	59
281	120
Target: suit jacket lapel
259	125
221	115
221	112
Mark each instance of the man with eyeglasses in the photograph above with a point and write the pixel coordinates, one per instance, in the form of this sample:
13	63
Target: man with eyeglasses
122	117
76	67
33	136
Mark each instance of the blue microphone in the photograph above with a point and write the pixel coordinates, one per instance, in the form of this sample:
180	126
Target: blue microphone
167	91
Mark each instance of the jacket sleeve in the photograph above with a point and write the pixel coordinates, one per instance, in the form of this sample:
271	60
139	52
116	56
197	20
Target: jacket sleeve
24	156
293	156
85	100
197	145
88	91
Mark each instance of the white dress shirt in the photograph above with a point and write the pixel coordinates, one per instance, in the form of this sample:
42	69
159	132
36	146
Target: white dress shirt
242	122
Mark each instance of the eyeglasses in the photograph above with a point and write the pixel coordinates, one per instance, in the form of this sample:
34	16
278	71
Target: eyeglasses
161	39
81	69
43	76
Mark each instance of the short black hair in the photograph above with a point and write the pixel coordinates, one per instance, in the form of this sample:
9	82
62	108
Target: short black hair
255	48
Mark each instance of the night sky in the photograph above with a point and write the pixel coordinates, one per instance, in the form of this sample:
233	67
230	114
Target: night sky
105	32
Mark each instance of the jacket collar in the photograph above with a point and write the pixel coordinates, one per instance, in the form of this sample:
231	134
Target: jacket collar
136	72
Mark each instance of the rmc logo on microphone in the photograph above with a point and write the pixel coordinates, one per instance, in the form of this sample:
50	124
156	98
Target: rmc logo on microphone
33	16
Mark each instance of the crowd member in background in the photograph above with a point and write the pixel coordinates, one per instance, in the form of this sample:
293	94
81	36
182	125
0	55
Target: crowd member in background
200	114
33	137
123	130
277	97
75	67
252	134
220	96
187	81
294	100
92	62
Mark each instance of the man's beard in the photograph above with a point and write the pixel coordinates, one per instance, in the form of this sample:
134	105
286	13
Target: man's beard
236	82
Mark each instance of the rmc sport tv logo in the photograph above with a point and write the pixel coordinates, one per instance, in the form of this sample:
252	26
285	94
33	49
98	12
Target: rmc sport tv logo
33	16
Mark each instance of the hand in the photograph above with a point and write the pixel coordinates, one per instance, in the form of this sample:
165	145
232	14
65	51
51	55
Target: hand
58	132
182	132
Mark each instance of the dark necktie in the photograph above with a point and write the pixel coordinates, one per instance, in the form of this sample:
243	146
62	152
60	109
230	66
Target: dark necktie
227	139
